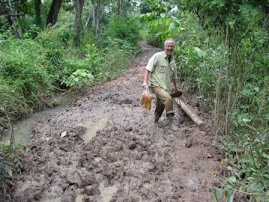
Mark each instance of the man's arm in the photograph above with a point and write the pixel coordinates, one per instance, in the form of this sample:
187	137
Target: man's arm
149	68
146	76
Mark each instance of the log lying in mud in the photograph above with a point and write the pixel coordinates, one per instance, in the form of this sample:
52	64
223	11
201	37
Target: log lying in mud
189	112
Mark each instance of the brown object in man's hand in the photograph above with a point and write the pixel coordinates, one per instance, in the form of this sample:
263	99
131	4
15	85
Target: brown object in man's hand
146	99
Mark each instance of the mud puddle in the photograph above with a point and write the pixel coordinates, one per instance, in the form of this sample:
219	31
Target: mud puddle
105	147
23	129
92	128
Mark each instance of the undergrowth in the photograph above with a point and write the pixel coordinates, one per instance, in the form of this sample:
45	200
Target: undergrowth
10	164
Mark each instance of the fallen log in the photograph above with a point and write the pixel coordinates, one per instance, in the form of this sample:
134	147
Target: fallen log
189	112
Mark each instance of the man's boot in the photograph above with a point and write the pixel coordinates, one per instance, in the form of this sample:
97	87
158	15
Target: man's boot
171	124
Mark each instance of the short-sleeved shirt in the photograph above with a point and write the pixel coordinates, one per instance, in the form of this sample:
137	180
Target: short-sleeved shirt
161	71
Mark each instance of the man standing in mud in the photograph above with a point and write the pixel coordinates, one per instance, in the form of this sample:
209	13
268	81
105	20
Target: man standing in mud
160	71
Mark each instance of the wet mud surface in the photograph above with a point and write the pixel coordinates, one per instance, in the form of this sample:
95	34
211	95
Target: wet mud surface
105	147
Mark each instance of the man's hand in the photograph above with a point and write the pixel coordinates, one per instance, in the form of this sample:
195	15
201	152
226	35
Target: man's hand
145	85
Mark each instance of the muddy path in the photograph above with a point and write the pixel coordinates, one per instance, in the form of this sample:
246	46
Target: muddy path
104	147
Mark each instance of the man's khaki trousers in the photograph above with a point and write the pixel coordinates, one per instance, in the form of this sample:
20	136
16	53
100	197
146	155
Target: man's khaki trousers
163	101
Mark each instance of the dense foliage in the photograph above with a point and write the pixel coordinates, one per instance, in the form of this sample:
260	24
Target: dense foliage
31	70
221	49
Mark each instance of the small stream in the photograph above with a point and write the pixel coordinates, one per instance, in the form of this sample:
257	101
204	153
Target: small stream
23	128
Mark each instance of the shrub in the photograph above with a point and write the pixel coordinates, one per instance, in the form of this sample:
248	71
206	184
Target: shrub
115	61
10	163
126	29
13	103
24	78
79	78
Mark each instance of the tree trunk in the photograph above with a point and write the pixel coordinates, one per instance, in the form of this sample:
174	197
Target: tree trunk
54	11
78	6
119	8
93	15
4	12
190	112
12	21
87	22
38	13
97	18
124	9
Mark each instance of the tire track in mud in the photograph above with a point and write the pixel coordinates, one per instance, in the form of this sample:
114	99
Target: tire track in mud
127	159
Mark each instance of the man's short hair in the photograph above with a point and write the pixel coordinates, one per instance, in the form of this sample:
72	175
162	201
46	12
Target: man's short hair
167	40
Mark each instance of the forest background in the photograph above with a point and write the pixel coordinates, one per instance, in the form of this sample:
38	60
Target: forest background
53	46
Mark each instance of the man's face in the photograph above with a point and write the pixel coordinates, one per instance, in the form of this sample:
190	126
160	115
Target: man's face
169	47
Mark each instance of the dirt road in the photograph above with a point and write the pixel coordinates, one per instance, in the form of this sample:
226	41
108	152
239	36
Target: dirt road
127	159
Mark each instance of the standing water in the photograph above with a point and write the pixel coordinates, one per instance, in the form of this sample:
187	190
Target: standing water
22	130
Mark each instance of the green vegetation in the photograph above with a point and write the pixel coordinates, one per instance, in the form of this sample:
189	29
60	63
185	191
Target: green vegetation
38	60
222	48
10	164
222	52
32	69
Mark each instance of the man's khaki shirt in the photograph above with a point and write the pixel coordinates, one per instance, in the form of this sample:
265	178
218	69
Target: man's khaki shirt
161	71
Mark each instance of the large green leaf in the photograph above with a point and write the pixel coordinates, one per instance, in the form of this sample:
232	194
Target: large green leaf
199	52
217	194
